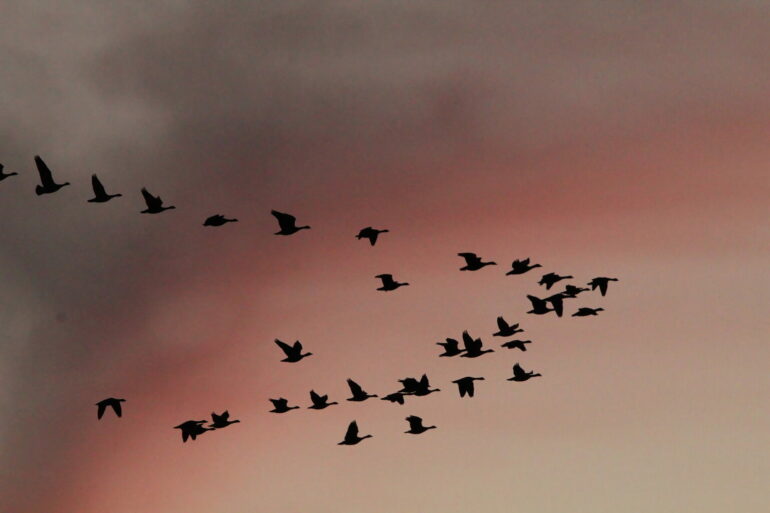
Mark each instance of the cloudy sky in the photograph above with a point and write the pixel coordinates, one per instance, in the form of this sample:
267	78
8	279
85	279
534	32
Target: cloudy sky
610	138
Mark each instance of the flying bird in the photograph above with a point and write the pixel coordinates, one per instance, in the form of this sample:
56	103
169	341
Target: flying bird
358	393
517	344
395	397
293	353
388	283
473	262
4	175
47	185
370	233
539	306
351	436
287	223
571	291
520	374
412	386
100	195
281	405
109	402
473	347
192	428
465	385
218	220
602	283
585	312
521	266
319	401
506	330
451	347
549	279
415	425
154	203
221	421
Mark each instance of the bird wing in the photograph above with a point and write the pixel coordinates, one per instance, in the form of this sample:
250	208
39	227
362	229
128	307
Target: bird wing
315	397
467	339
152	201
355	388
536	302
352	432
46	178
387	279
424	381
289	350
603	287
100	411
98	187
284	220
502	324
470	258
414	422
518	371
297	346
117	408
557	301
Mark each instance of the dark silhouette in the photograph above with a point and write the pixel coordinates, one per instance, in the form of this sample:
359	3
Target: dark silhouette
358	393
319	401
395	397
287	223
192	428
370	233
112	403
4	175
602	283
557	301
154	203
521	266
100	195
539	306
506	330
221	421
520	374
415	425
414	387
549	279
473	347
451	347
281	405
585	312
218	220
293	353
517	344
388	283
351	436
473	262
465	385
47	185
571	291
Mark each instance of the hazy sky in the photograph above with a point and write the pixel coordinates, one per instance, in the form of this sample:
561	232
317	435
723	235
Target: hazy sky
612	138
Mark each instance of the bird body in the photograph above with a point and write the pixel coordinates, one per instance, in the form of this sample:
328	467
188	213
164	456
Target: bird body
395	397
415	425
192	428
112	403
473	347
358	393
521	266
154	203
585	312
412	386
221	421
571	291
539	306
370	233
473	262
388	283
451	347
319	401
294	352
549	279
516	344
465	385
100	194
47	184
520	374
281	405
602	283
287	223
351	436
218	220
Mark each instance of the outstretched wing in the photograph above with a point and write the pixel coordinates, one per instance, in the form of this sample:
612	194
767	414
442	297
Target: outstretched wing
297	347
502	324
355	388
315	397
289	350
352	432
387	279
518	371
150	200
117	408
470	258
285	221
100	411
98	187
536	302
46	178
557	301
415	423
603	287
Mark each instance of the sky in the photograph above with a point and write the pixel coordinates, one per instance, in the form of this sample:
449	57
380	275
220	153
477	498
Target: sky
601	138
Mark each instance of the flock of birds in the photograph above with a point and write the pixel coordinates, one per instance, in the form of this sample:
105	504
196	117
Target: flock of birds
471	347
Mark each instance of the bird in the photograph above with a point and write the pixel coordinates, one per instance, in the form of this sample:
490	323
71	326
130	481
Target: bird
395	397
465	385
473	347
281	405
370	233
218	220
549	279
521	266
47	185
358	393
351	436
287	223
4	175
154	203
192	428
293	353
415	425
319	401
451	347
506	330
388	283
571	291
557	301
111	402
602	283
100	195
473	262
221	421
520	374
516	344
412	386
539	306
585	312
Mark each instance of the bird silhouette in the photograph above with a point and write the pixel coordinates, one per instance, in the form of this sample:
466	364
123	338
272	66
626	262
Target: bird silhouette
421	387
585	312
351	436
517	344
4	175
395	397
473	347
370	233
465	385
539	306
293	353
109	402
451	347
319	401
388	283
358	393
100	195
154	203
549	279
602	283
218	220
506	330
521	266
557	301
287	223
221	421
192	428
415	425
473	262
520	374
571	291
47	185
281	405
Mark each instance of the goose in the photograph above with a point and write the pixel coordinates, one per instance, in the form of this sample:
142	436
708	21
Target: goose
47	185
293	353
218	220
549	279
395	397
280	405
358	393
451	347
370	233
571	291
100	195
473	347
602	283
473	262
109	402
287	223
154	203
351	436
520	374
221	421
319	401
388	283
521	266
539	306
517	344
192	428
4	175
415	425
412	386
506	330
585	311
465	385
